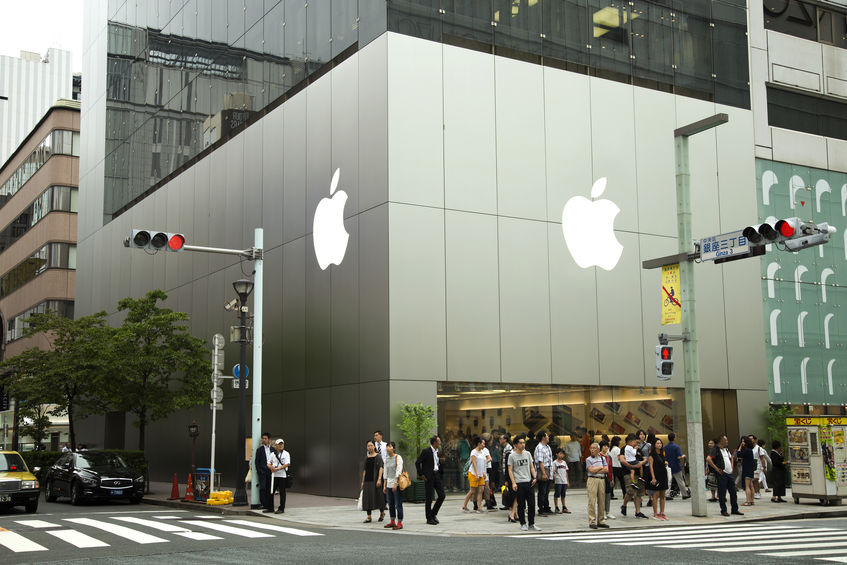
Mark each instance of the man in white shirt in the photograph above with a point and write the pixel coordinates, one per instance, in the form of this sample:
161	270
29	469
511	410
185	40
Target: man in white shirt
759	458
720	462
379	445
278	464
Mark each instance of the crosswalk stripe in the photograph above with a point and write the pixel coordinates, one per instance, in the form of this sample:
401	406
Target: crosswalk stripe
169	517
750	548
745	543
168	527
37	524
17	542
654	537
813	552
658	532
78	539
227	529
121	531
670	529
739	538
271	527
834	559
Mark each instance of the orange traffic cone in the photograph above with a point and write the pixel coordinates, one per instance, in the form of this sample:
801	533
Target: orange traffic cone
189	491
175	489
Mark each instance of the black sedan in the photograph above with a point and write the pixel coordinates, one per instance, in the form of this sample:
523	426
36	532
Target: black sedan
89	475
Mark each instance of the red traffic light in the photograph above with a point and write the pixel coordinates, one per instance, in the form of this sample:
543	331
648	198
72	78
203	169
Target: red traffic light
786	229
176	241
666	353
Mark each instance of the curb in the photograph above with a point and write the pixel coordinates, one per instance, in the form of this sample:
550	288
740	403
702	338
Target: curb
183	505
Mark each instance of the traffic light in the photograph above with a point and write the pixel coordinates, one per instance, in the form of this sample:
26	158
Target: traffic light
155	240
794	233
664	362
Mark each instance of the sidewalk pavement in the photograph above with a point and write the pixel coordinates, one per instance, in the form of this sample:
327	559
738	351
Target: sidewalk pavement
341	513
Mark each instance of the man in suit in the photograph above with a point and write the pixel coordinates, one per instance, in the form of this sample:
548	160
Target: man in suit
429	469
263	473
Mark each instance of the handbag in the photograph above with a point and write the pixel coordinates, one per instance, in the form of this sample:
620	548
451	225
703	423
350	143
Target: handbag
289	480
403	479
359	504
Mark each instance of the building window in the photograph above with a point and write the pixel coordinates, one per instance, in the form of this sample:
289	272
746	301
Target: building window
57	142
807	113
55	198
807	21
15	326
51	256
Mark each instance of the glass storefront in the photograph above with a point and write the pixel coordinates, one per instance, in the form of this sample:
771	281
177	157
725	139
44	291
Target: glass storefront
572	415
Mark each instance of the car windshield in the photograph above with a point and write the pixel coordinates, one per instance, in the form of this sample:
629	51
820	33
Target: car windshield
12	462
90	460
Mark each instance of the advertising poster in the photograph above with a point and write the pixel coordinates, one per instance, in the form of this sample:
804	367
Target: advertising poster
841	474
671	307
798	455
797	437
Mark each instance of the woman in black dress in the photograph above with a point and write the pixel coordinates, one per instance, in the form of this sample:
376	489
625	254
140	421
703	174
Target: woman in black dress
659	478
372	497
748	467
778	474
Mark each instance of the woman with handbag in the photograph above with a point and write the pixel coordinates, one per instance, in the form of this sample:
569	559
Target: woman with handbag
391	488
372	497
279	463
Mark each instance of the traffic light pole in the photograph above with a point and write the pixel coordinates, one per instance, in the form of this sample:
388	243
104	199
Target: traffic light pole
258	298
690	353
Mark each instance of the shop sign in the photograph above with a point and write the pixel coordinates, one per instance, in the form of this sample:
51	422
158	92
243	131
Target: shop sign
816	421
801	475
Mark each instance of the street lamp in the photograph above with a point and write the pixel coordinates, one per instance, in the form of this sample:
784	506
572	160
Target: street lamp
243	287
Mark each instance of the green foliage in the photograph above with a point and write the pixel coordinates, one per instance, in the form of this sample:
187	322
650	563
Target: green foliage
69	374
775	419
162	368
34	422
416	422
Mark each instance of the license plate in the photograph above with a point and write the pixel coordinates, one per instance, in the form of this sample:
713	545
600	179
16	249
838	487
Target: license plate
5	498
116	491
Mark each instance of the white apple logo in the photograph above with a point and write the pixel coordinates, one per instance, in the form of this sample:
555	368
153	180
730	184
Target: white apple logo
328	227
588	227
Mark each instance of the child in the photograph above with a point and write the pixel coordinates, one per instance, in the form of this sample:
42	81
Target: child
560	474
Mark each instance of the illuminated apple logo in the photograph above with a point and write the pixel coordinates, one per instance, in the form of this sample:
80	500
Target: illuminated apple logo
328	227
588	226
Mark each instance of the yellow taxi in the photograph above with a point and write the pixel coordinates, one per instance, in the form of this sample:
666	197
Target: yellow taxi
18	487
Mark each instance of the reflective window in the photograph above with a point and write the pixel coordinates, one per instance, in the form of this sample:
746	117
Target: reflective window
59	142
15	326
51	256
810	114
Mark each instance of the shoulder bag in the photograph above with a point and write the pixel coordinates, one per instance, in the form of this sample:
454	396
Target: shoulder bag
403	480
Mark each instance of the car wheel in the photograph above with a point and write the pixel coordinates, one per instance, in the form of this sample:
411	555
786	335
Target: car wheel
32	506
49	494
76	494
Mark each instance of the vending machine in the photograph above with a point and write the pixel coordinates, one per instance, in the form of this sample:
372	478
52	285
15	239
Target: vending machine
817	455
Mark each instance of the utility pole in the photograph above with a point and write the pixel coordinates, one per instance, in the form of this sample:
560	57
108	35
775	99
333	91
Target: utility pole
690	353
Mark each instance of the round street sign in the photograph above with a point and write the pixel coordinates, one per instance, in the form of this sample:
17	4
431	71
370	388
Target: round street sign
218	380
236	372
217	394
218	341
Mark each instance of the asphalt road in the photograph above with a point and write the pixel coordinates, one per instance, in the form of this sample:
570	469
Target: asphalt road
121	533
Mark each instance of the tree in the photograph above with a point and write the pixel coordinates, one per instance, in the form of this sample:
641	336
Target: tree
69	374
416	422
161	367
34	422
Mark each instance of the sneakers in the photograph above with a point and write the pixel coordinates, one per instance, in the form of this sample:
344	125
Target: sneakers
664	516
479	511
390	524
465	510
398	526
534	527
524	527
623	510
757	495
641	515
610	516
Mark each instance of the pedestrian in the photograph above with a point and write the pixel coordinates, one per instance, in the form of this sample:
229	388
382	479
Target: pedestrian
597	471
617	470
720	462
572	454
66	447
560	481
543	472
463	451
487	490
476	476
632	480
767	462
676	462
711	478
658	478
494	467
263	472
759	456
428	469
610	479
379	446
393	494
778	475
645	442
372	497
278	465
522	477
748	467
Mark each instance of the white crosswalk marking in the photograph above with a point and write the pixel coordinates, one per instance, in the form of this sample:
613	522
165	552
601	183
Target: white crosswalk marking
227	529
664	529
77	539
17	542
743	538
167	527
744	543
37	524
121	531
271	527
835	559
825	549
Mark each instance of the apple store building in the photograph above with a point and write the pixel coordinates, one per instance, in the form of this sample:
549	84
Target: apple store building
456	197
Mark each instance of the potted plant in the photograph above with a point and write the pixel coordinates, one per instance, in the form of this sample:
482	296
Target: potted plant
416	423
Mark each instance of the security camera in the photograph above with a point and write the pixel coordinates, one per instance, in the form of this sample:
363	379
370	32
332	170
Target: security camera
231	305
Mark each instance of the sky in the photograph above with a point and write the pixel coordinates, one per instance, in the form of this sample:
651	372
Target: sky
37	25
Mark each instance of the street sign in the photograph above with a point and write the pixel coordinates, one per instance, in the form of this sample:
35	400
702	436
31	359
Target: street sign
237	374
218	341
217	379
217	394
724	246
236	385
216	406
